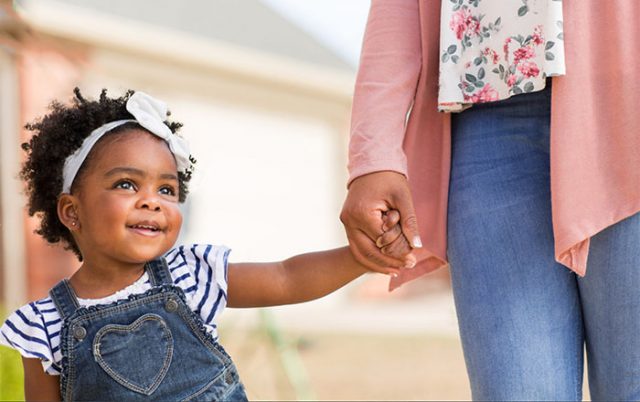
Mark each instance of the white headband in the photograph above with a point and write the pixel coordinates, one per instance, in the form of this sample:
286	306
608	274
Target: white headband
150	113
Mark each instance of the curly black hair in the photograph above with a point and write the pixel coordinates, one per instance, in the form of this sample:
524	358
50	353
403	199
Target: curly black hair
56	136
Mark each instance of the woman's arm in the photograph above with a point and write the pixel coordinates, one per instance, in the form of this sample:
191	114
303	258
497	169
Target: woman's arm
38	385
385	88
387	79
298	279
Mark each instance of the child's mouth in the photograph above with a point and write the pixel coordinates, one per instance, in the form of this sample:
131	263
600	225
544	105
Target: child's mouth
145	229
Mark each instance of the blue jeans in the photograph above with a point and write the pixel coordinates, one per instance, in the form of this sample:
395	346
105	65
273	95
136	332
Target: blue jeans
525	319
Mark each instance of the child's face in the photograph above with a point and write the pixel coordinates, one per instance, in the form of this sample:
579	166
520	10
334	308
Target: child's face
127	200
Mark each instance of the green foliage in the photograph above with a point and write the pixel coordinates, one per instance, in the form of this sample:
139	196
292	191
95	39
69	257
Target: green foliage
11	377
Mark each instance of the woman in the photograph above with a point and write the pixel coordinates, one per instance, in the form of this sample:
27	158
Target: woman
531	194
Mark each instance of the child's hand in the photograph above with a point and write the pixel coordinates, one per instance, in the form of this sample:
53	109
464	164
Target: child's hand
393	242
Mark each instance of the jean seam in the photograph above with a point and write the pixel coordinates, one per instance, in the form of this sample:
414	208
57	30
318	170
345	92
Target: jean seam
67	383
579	363
230	389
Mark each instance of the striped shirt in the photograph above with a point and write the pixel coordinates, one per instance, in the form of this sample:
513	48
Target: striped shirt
200	270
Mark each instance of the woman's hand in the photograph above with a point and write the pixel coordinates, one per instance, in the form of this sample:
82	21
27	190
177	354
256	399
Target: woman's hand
370	197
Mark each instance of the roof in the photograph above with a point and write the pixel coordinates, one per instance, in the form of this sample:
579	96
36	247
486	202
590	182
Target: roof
246	23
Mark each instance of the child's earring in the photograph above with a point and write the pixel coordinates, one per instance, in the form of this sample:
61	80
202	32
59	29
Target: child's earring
67	213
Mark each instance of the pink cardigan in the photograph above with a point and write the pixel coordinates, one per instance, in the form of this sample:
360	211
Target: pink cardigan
595	124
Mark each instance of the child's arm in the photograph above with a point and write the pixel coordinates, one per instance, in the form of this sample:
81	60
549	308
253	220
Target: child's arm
38	385
301	278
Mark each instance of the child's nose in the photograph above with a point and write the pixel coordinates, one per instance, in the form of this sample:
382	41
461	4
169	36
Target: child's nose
148	201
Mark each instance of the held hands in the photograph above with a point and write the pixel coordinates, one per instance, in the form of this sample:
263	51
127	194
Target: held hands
375	204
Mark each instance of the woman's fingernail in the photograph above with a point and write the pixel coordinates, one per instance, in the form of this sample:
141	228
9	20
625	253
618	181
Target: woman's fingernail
393	275
379	242
409	264
416	242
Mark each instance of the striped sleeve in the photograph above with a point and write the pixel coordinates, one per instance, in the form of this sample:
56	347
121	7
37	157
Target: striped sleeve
201	271
29	332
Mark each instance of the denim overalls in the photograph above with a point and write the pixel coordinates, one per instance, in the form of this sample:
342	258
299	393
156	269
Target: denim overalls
151	346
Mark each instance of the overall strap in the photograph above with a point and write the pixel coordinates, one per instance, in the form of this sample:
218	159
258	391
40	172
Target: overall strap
64	298
158	271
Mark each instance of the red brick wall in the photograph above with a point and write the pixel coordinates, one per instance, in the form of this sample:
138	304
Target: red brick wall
47	70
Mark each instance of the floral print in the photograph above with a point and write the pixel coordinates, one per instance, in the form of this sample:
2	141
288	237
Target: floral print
494	49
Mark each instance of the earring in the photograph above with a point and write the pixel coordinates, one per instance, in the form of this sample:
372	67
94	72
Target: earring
74	223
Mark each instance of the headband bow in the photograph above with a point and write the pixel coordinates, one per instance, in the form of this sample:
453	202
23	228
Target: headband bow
149	113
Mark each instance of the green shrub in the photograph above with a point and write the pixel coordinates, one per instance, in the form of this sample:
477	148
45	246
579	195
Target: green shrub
11	377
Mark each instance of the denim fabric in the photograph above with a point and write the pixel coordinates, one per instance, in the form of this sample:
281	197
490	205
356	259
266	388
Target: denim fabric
148	347
524	319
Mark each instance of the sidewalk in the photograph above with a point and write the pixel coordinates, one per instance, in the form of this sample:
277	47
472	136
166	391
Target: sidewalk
360	343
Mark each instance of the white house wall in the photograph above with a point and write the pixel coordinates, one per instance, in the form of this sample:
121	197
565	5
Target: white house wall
269	188
271	156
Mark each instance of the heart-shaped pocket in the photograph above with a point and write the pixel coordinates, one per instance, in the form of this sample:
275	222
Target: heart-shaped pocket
138	355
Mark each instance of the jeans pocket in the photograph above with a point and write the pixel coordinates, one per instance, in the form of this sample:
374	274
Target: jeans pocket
226	386
137	355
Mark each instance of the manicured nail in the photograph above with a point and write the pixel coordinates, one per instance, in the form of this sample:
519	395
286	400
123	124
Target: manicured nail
416	242
410	264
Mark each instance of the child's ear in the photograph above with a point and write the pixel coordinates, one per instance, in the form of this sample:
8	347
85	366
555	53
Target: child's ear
67	212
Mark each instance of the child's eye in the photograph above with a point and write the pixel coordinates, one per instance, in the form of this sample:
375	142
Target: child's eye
125	185
167	191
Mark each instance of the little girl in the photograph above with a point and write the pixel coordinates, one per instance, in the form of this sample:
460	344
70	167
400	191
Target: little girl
136	321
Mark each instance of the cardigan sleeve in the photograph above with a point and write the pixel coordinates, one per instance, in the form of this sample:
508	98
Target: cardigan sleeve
386	83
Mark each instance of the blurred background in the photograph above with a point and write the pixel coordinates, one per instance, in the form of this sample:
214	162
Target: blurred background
264	90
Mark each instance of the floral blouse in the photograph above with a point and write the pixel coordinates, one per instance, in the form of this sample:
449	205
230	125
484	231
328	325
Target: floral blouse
493	49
